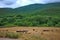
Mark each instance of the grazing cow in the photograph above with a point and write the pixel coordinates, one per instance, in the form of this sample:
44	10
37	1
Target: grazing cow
46	30
23	31
33	29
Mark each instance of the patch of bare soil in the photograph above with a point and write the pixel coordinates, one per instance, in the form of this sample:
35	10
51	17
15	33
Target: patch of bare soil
7	39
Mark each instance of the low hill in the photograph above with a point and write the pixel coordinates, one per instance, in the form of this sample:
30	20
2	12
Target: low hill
31	15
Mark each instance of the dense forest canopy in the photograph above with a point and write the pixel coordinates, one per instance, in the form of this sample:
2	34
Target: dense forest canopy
41	15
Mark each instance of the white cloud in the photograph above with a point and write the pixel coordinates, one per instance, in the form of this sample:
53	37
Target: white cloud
19	3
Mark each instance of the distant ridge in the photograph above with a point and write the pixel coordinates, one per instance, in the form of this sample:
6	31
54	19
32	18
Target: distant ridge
29	8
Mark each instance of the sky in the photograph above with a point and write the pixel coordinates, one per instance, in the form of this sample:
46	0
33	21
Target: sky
19	3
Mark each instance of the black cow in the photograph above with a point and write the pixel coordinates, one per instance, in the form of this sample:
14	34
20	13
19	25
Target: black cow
22	31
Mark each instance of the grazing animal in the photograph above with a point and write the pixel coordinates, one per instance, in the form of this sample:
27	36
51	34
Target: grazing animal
23	31
46	30
33	29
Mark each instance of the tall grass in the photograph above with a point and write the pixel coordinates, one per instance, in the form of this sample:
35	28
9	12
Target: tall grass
12	35
15	35
9	35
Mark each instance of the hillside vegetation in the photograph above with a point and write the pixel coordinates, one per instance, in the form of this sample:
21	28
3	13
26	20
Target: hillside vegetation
32	15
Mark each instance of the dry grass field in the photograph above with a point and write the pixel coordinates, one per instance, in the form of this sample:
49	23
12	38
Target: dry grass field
34	33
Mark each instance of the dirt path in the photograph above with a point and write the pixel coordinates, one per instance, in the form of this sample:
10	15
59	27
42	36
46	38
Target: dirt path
8	39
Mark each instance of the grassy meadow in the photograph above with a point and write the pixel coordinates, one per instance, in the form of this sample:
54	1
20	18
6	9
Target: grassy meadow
33	33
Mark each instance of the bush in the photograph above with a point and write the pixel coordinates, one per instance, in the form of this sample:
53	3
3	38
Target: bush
12	35
58	25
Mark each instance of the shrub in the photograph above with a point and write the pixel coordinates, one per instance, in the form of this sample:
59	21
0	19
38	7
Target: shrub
12	35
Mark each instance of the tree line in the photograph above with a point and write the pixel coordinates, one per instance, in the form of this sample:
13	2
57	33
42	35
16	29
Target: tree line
32	20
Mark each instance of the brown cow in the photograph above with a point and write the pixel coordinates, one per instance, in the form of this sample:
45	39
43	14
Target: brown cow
22	31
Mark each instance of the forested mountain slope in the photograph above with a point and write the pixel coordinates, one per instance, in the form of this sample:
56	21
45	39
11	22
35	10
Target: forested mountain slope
31	15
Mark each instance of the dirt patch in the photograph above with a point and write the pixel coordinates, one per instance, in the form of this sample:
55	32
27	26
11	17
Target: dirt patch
7	39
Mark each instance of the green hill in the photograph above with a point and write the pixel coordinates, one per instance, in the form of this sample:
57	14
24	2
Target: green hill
31	15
